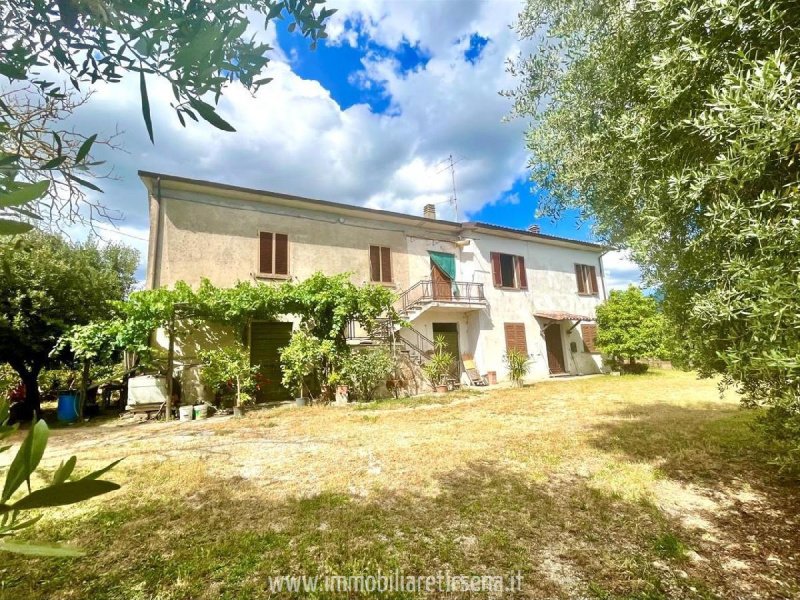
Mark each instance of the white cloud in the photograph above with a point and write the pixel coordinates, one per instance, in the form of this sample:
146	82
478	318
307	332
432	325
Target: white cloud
294	137
620	271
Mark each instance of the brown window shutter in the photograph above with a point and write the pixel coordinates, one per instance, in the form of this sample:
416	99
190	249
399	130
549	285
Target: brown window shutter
515	337
589	334
374	263
265	252
386	265
593	275
497	277
281	254
522	277
579	279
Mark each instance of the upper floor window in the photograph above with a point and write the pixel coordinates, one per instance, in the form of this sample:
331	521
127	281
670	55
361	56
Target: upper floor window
273	253
380	264
587	280
508	271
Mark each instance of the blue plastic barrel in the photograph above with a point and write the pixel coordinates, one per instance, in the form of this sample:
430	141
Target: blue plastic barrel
68	406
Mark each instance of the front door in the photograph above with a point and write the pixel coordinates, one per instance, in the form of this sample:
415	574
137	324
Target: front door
555	350
266	340
442	284
449	331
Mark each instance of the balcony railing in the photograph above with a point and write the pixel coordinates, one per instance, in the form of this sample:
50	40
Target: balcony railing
427	291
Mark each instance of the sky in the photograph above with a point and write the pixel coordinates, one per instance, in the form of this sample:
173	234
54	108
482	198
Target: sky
369	118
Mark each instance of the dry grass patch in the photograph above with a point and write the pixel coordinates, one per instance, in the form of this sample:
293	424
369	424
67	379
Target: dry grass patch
631	487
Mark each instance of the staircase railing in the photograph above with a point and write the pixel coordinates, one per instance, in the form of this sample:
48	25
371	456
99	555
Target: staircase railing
419	344
414	341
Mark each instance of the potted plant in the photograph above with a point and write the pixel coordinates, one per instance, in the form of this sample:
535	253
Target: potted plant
517	365
438	366
228	372
305	362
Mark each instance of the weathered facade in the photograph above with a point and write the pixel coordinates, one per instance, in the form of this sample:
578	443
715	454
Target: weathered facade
486	288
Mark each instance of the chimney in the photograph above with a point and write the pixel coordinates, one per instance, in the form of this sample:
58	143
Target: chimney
533	228
429	211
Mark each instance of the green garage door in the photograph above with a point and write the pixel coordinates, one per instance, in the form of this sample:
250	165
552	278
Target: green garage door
266	339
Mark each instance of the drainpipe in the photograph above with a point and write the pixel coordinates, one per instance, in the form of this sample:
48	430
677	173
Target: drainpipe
602	273
154	279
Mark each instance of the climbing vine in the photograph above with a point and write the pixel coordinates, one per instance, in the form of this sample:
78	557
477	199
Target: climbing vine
324	304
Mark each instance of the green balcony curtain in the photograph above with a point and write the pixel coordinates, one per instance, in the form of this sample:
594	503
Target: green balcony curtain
447	263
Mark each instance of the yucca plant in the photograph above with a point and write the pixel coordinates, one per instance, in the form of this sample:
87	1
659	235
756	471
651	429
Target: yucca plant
517	365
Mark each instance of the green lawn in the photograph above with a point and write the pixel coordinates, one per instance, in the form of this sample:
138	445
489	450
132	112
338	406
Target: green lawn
632	487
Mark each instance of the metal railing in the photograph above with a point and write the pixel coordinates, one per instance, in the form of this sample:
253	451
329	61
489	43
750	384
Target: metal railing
427	290
419	346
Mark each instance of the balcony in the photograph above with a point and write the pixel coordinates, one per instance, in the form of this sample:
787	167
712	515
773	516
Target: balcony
461	295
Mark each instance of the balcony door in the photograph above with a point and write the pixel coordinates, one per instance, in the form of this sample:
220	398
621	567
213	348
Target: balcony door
442	283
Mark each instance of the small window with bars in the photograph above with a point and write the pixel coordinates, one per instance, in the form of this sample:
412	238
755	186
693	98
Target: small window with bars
380	264
273	254
586	276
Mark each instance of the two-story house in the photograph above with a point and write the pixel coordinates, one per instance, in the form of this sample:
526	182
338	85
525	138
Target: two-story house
485	288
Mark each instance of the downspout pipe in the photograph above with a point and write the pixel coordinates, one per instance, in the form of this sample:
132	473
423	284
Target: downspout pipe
602	272
154	278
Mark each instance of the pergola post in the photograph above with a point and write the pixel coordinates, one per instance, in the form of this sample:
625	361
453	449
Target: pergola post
170	362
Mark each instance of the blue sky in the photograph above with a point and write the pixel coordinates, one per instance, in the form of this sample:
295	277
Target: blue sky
368	118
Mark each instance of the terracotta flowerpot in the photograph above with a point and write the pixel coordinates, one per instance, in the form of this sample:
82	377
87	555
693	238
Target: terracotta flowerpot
491	377
441	389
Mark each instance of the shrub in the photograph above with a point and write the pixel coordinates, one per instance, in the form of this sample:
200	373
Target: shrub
367	370
633	368
517	364
308	363
228	372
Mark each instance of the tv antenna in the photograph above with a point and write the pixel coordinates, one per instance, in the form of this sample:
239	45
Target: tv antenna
451	166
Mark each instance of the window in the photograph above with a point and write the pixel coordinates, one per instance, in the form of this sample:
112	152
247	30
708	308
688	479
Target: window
587	280
380	264
273	254
515	337
508	271
589	333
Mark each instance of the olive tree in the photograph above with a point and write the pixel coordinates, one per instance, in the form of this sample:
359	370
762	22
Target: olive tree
198	47
675	124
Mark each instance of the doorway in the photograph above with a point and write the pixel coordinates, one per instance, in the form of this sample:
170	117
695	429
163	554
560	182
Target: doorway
266	340
555	349
442	282
449	331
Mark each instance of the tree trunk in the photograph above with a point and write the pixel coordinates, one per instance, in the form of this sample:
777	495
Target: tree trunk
33	401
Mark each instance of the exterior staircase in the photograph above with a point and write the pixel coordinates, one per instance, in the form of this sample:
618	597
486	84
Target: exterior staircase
412	303
413	344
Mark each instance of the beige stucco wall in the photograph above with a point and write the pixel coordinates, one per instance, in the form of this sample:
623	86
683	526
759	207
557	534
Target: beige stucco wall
217	238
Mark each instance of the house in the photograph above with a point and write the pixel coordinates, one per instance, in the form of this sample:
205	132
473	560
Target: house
485	288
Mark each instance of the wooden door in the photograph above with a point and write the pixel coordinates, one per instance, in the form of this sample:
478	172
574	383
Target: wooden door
266	340
555	349
442	284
